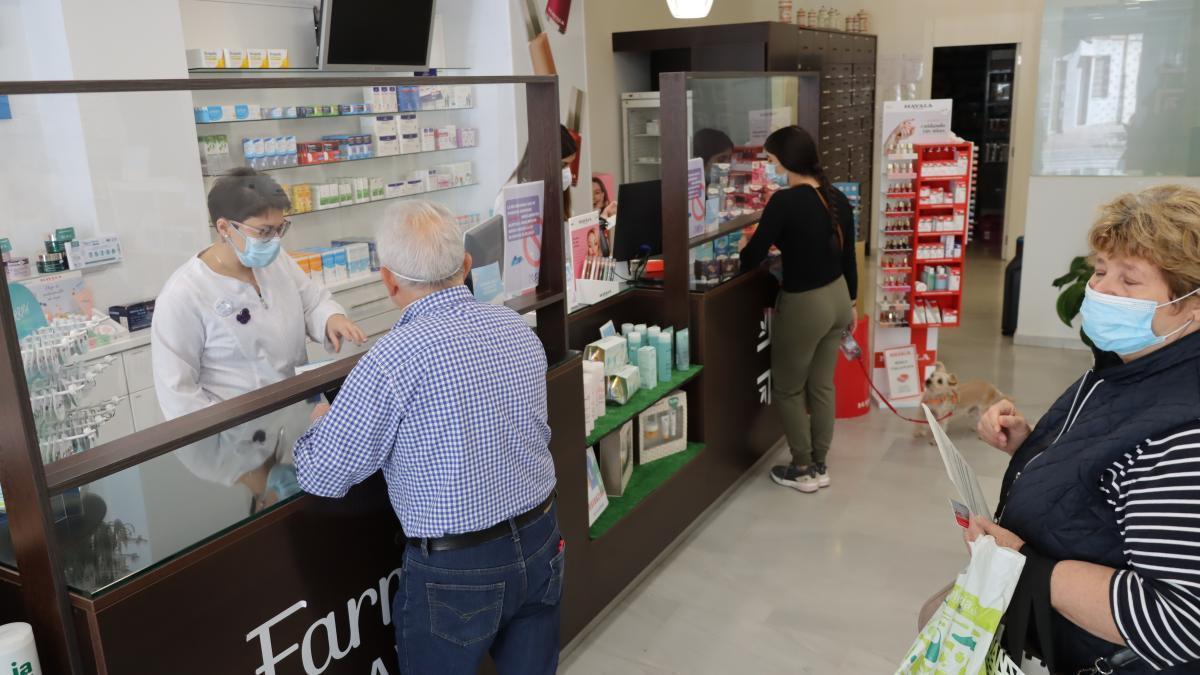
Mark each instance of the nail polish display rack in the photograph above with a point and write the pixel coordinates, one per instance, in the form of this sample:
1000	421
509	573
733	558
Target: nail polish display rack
923	235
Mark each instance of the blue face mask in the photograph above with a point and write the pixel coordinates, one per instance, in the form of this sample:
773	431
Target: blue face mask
776	177
1123	325
259	252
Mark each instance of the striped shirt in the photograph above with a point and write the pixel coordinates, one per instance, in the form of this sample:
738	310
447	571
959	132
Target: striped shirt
451	405
1156	600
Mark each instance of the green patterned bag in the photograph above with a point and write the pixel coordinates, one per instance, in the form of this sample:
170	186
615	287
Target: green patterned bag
958	639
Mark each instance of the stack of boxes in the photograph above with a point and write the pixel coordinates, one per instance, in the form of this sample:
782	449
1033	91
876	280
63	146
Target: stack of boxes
341	261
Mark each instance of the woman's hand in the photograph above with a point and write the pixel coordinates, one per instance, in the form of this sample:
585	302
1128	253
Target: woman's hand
339	327
853	327
609	211
1004	538
318	412
1003	427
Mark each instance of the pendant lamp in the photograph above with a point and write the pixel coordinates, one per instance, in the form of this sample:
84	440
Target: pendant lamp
689	9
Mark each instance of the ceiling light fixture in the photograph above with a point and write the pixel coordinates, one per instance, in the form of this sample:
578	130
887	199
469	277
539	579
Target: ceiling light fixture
689	9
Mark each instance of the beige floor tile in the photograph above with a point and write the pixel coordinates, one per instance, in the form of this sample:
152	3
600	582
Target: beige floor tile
781	582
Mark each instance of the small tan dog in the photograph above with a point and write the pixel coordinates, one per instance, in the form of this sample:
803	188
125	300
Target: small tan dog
950	400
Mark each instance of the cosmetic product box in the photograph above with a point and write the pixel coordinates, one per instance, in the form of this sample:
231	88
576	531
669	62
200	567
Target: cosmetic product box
615	455
610	351
134	316
622	385
662	428
205	58
593	394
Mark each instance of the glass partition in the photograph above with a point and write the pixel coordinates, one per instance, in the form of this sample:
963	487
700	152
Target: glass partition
110	530
729	183
1118	90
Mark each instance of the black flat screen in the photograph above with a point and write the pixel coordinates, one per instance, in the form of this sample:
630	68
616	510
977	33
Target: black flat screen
377	32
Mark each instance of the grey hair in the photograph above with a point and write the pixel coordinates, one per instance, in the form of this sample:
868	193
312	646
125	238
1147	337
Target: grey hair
420	241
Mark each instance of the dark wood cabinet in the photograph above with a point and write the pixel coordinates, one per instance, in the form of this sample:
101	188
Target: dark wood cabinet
846	62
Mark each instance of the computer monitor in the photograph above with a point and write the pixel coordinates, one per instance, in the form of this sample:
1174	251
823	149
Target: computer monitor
485	242
639	221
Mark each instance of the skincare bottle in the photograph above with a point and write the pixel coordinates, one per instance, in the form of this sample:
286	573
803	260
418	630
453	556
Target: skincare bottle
626	329
647	367
682	350
635	343
662	355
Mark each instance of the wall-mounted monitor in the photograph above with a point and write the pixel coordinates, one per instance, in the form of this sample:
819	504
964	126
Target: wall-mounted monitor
385	35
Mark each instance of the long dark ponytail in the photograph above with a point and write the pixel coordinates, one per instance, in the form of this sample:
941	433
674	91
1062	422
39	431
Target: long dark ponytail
797	152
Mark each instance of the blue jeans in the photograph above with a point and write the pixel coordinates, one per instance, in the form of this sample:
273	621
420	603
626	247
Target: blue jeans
501	597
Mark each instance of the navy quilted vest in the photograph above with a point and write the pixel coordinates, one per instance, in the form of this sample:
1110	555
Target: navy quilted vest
1051	496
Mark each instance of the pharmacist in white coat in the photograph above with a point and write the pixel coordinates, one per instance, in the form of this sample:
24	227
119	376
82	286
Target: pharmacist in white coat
233	319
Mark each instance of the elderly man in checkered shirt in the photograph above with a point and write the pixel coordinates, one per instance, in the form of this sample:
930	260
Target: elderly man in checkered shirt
451	406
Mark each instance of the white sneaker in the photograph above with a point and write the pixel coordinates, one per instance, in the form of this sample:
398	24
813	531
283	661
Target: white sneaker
822	472
789	475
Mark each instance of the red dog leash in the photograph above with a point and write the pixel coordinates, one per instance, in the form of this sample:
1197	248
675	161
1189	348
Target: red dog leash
863	367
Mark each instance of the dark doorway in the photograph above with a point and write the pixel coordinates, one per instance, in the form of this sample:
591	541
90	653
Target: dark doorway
979	79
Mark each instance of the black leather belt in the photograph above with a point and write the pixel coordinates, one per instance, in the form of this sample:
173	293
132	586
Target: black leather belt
458	541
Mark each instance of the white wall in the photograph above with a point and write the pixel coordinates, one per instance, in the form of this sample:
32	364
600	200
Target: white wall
609	75
1061	210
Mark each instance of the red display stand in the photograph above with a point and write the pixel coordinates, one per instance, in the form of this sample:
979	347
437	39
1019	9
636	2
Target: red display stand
850	378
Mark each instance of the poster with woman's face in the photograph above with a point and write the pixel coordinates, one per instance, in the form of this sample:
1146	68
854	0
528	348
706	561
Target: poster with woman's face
585	240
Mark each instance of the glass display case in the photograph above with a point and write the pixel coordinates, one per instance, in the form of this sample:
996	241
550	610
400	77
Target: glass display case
731	117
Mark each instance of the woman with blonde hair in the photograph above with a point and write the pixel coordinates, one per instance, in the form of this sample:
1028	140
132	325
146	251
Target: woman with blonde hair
1103	496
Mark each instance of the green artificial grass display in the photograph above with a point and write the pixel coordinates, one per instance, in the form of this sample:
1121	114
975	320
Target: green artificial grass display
646	479
617	415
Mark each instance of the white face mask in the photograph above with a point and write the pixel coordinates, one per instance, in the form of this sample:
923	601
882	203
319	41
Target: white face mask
566	177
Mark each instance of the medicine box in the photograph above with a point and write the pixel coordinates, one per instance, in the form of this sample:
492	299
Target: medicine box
615	455
407	124
366	241
593	394
134	316
410	143
205	58
358	259
256	58
278	58
235	58
662	428
408	99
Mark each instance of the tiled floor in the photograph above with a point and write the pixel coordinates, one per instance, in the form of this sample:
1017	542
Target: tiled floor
780	582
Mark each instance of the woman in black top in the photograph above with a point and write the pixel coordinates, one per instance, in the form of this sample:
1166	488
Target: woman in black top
811	224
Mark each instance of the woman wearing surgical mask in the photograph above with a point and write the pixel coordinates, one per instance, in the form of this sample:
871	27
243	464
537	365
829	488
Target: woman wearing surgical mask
233	319
1102	497
811	224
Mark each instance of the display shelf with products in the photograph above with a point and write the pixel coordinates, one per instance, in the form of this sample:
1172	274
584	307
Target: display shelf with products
330	116
645	480
617	415
920	261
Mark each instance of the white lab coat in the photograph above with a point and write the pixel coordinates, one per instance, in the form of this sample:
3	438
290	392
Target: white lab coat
203	354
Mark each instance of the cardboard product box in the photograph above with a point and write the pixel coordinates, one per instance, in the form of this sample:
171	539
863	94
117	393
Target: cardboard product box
365	241
133	316
612	352
593	393
406	123
380	125
597	498
662	428
615	455
256	58
206	58
278	58
235	58
622	385
358	259
410	144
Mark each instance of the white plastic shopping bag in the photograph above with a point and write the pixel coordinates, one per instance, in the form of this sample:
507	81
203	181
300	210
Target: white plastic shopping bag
958	639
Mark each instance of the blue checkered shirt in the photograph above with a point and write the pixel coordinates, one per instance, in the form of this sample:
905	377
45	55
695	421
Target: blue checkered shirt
451	405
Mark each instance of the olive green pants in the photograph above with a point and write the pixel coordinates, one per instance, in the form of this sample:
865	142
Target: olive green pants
805	343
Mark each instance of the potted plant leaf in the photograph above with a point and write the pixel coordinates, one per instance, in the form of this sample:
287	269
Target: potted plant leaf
1072	286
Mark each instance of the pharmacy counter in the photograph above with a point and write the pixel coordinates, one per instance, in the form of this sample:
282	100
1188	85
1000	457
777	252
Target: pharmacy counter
172	574
731	425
